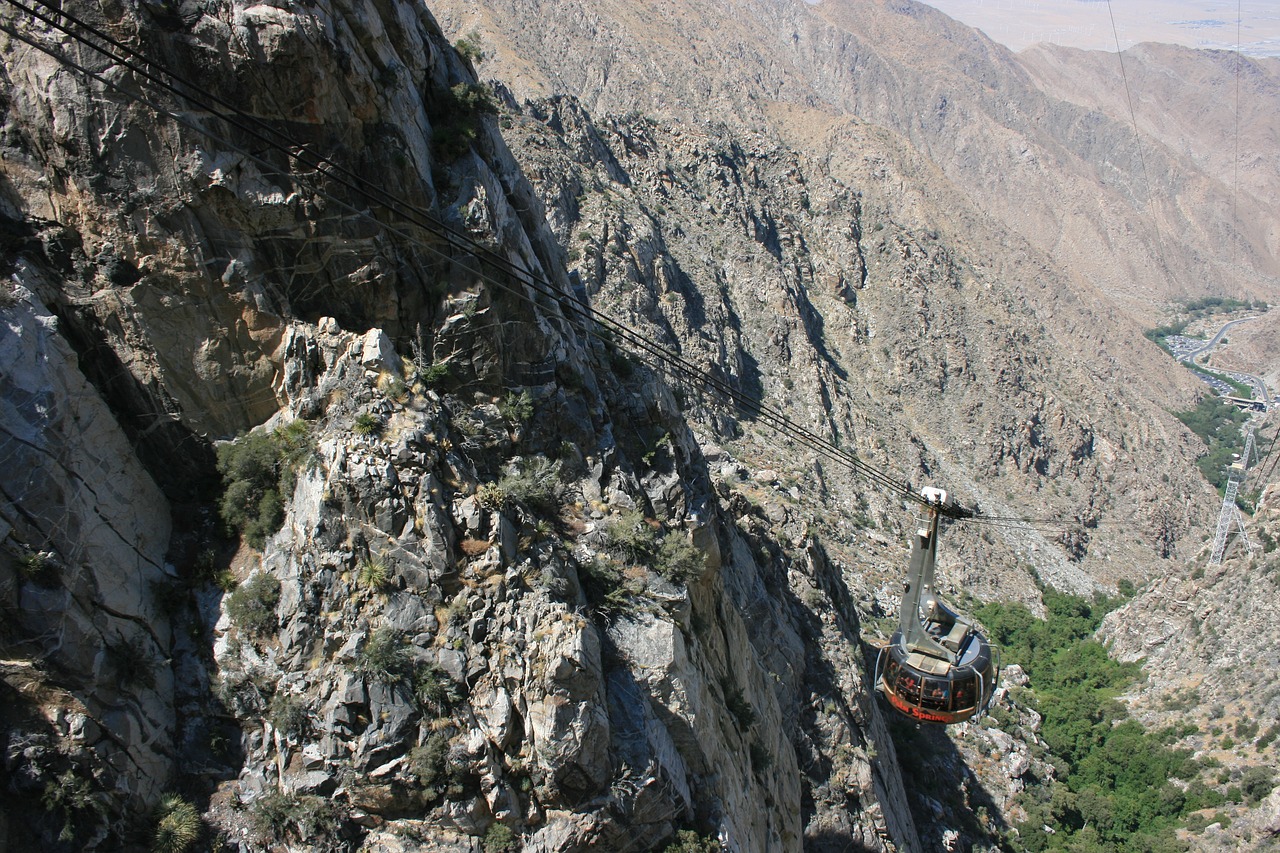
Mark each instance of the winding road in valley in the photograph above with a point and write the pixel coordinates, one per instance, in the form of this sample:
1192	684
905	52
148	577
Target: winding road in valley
1256	381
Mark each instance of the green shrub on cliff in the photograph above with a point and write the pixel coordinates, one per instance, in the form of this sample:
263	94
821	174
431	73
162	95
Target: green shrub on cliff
688	841
259	471
73	797
631	538
455	118
279	817
252	606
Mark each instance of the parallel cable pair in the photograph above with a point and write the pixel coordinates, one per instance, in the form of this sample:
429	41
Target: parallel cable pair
575	313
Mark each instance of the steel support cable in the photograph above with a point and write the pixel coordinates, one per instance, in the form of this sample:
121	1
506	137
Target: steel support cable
1137	141
666	360
1264	476
344	177
1235	163
270	136
1040	524
1271	450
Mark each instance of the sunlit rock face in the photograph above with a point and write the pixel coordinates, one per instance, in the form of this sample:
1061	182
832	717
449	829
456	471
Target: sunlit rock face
516	583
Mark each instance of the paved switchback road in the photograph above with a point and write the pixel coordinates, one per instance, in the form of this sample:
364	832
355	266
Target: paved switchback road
1255	381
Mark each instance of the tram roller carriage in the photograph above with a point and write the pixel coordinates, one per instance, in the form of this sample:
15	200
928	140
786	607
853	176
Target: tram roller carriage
937	667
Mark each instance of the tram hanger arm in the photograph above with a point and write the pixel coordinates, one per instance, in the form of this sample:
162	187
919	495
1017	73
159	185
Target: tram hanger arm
918	590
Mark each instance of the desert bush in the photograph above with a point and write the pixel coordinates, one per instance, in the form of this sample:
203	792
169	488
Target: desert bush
38	567
1256	784
252	606
499	838
287	715
474	99
277	816
473	547
132	665
688	841
455	119
431	374
535	483
516	408
385	656
677	560
632	538
433	689
73	798
438	776
469	47
738	705
491	496
605	589
761	757
258	471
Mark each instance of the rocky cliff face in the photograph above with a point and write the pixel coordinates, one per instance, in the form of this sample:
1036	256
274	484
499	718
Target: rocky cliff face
86	530
510	583
911	346
506	599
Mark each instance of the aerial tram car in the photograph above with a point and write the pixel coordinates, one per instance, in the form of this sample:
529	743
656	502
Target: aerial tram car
937	667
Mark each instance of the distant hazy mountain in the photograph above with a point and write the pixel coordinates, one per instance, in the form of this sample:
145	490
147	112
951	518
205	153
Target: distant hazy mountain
1078	23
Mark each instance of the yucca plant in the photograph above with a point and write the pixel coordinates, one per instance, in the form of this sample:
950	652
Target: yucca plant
367	423
177	826
374	572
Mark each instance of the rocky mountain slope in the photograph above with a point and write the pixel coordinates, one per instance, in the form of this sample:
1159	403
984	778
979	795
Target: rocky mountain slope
506	601
1211	658
1213	111
789	223
494	580
1142	218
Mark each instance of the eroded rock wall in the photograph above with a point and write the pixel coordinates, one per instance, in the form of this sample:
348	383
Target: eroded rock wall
425	653
88	695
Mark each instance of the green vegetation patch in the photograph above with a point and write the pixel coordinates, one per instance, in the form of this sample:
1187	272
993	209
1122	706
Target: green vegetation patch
688	841
455	118
1197	309
1159	334
280	817
259	471
438	774
1207	305
1114	790
74	798
252	606
536	483
1218	425
631	538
